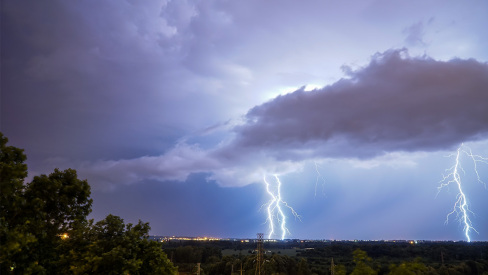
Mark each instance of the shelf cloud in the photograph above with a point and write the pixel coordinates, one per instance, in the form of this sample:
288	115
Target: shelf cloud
394	104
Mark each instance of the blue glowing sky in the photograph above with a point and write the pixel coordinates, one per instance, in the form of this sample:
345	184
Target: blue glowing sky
175	110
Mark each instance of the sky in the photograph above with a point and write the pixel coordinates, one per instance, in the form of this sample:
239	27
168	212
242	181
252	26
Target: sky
178	112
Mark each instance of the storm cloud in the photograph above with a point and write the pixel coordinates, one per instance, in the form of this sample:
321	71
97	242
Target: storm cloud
160	103
394	104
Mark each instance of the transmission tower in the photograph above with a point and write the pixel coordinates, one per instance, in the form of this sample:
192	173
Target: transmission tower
259	258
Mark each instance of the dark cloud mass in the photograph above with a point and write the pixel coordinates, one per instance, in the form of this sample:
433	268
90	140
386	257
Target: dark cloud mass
396	103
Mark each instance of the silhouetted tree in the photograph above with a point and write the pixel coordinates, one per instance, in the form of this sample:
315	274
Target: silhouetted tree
44	227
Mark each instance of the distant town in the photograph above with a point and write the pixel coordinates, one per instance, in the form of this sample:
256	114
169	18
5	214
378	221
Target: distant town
254	240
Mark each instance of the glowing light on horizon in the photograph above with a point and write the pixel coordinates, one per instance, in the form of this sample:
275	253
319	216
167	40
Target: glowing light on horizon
274	208
461	206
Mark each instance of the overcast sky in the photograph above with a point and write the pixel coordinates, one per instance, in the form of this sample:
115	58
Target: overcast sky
176	111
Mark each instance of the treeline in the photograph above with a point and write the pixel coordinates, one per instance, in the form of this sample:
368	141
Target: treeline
212	261
323	257
402	257
44	227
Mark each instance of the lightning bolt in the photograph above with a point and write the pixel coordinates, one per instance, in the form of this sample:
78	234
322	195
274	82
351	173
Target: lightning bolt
275	206
319	177
461	207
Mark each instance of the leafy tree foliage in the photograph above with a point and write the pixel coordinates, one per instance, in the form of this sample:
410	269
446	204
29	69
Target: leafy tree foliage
408	268
44	227
55	206
111	247
362	261
14	236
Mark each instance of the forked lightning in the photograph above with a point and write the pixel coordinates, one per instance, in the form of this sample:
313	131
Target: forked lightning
274	208
461	207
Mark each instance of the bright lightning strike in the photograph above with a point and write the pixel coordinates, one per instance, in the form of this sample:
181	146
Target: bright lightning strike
461	207
274	208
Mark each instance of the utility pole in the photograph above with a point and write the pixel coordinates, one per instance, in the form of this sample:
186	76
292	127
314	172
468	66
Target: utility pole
241	270
259	258
332	268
